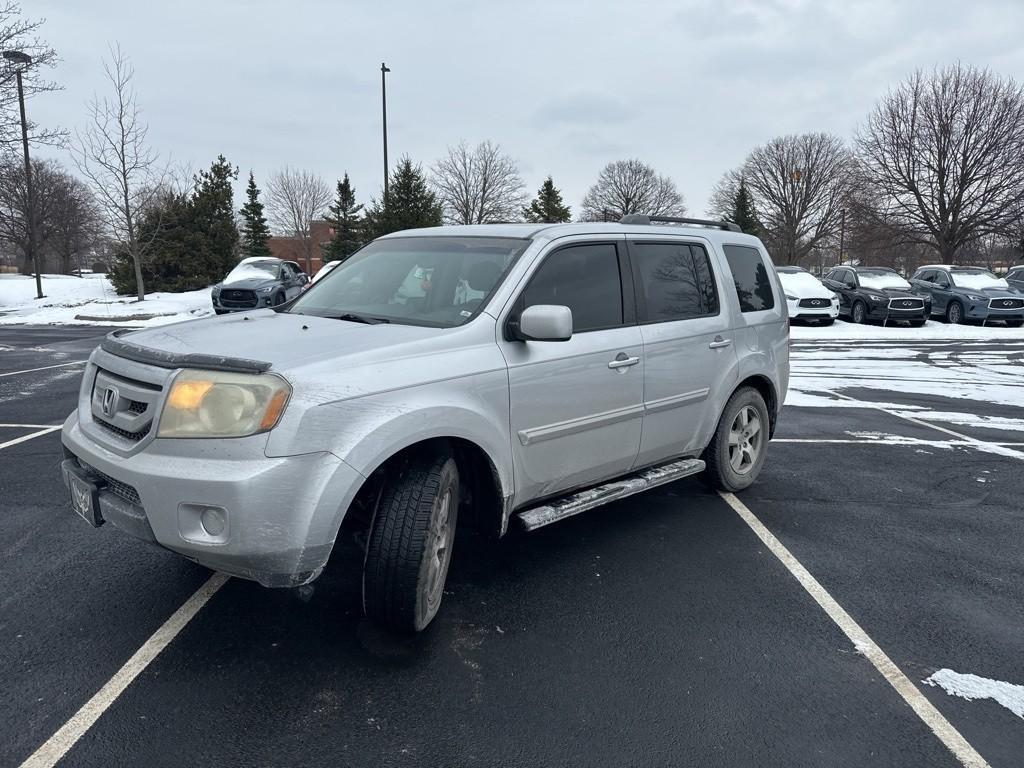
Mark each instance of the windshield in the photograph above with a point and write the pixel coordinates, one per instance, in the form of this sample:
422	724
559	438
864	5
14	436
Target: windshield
433	281
254	270
881	280
977	280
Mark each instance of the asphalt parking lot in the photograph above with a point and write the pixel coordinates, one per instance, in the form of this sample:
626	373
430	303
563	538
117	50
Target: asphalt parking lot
657	631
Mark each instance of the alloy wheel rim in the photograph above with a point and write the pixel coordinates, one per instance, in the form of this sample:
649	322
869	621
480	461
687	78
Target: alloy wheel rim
954	313
858	313
438	549
746	436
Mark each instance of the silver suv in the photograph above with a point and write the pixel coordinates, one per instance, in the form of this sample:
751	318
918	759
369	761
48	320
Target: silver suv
498	374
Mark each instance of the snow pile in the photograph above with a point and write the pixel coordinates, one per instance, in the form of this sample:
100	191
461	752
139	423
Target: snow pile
91	300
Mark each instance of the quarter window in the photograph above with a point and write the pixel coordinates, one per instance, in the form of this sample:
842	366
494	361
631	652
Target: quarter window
753	284
584	278
674	280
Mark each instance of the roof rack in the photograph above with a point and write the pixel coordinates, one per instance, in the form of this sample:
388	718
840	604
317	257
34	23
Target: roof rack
639	218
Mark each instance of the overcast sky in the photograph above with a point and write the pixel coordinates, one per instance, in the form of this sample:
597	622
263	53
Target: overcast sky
565	87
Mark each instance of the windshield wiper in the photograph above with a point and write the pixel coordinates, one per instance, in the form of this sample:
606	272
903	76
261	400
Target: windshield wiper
354	318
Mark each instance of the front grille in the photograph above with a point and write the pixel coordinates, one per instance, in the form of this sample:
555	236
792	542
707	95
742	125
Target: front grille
814	303
116	487
238	299
137	406
998	304
906	304
132	436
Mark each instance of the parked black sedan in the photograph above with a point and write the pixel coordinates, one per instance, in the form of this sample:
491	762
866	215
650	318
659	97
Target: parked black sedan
877	294
963	294
258	282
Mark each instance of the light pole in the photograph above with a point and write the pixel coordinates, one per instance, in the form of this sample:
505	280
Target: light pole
384	109
22	60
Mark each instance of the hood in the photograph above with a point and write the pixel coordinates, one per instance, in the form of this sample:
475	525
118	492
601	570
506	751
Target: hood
992	293
804	286
248	284
284	340
893	293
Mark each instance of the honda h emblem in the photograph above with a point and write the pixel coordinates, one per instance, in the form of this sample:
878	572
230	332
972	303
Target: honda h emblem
109	401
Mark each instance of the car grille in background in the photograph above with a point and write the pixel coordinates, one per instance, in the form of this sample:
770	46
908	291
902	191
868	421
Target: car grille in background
238	299
1006	304
907	304
813	303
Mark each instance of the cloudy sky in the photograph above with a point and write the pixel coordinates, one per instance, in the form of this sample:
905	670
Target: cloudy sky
564	86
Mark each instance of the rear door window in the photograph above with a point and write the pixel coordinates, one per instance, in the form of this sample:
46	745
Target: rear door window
674	281
751	278
584	278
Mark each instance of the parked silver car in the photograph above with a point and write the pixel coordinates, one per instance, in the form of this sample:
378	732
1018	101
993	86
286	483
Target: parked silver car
491	374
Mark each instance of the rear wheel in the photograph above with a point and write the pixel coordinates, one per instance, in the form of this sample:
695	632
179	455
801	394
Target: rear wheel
737	451
859	313
410	544
955	313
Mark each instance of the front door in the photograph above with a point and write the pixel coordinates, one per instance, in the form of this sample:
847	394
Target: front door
576	406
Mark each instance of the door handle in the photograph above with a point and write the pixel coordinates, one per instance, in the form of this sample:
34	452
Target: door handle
621	361
719	342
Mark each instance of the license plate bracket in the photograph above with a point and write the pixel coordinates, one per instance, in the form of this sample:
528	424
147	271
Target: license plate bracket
84	494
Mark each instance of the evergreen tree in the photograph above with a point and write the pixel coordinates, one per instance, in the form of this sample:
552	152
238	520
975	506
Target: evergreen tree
743	213
193	238
409	204
343	217
255	231
547	206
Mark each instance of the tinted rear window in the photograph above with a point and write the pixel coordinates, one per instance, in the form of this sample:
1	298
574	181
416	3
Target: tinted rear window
750	275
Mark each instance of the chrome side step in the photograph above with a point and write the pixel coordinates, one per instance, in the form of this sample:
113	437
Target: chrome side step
581	501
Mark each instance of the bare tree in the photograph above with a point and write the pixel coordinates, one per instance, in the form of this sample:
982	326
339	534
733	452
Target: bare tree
76	224
799	186
630	186
112	154
20	34
946	151
48	179
294	199
478	186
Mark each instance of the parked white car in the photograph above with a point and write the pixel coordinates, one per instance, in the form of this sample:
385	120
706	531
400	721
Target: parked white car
806	297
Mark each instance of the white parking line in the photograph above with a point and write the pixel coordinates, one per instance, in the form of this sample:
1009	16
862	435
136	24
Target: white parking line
923	708
58	745
911	441
26	426
44	368
30	436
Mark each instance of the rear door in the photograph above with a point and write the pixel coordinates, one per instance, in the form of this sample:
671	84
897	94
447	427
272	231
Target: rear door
689	349
576	406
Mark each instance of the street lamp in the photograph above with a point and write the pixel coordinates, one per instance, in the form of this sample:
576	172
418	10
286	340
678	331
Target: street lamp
21	60
384	107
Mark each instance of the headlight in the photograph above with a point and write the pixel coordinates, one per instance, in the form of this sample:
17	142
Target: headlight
265	289
876	298
974	297
219	404
790	298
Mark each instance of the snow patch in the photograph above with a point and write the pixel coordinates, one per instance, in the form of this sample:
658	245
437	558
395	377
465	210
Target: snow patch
972	687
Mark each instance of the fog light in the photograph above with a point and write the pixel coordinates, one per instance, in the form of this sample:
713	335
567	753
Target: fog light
214	520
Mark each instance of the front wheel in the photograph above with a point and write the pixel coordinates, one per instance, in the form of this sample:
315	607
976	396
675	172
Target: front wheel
916	323
859	313
827	321
1014	323
955	313
737	451
410	544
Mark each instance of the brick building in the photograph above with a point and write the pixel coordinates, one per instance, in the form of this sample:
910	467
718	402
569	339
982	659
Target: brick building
291	248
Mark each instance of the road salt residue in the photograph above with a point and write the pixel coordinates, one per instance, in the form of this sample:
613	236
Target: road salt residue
972	687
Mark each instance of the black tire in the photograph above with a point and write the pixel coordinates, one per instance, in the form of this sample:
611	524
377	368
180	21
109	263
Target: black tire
221	311
955	313
1014	323
917	323
278	300
827	321
859	313
410	544
721	471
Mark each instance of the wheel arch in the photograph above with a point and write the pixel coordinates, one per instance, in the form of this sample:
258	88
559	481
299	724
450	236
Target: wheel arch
766	388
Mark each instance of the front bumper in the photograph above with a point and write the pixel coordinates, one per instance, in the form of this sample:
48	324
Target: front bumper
985	311
796	312
282	514
887	314
262	302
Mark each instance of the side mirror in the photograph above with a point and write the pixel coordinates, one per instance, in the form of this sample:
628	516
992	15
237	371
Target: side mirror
545	322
